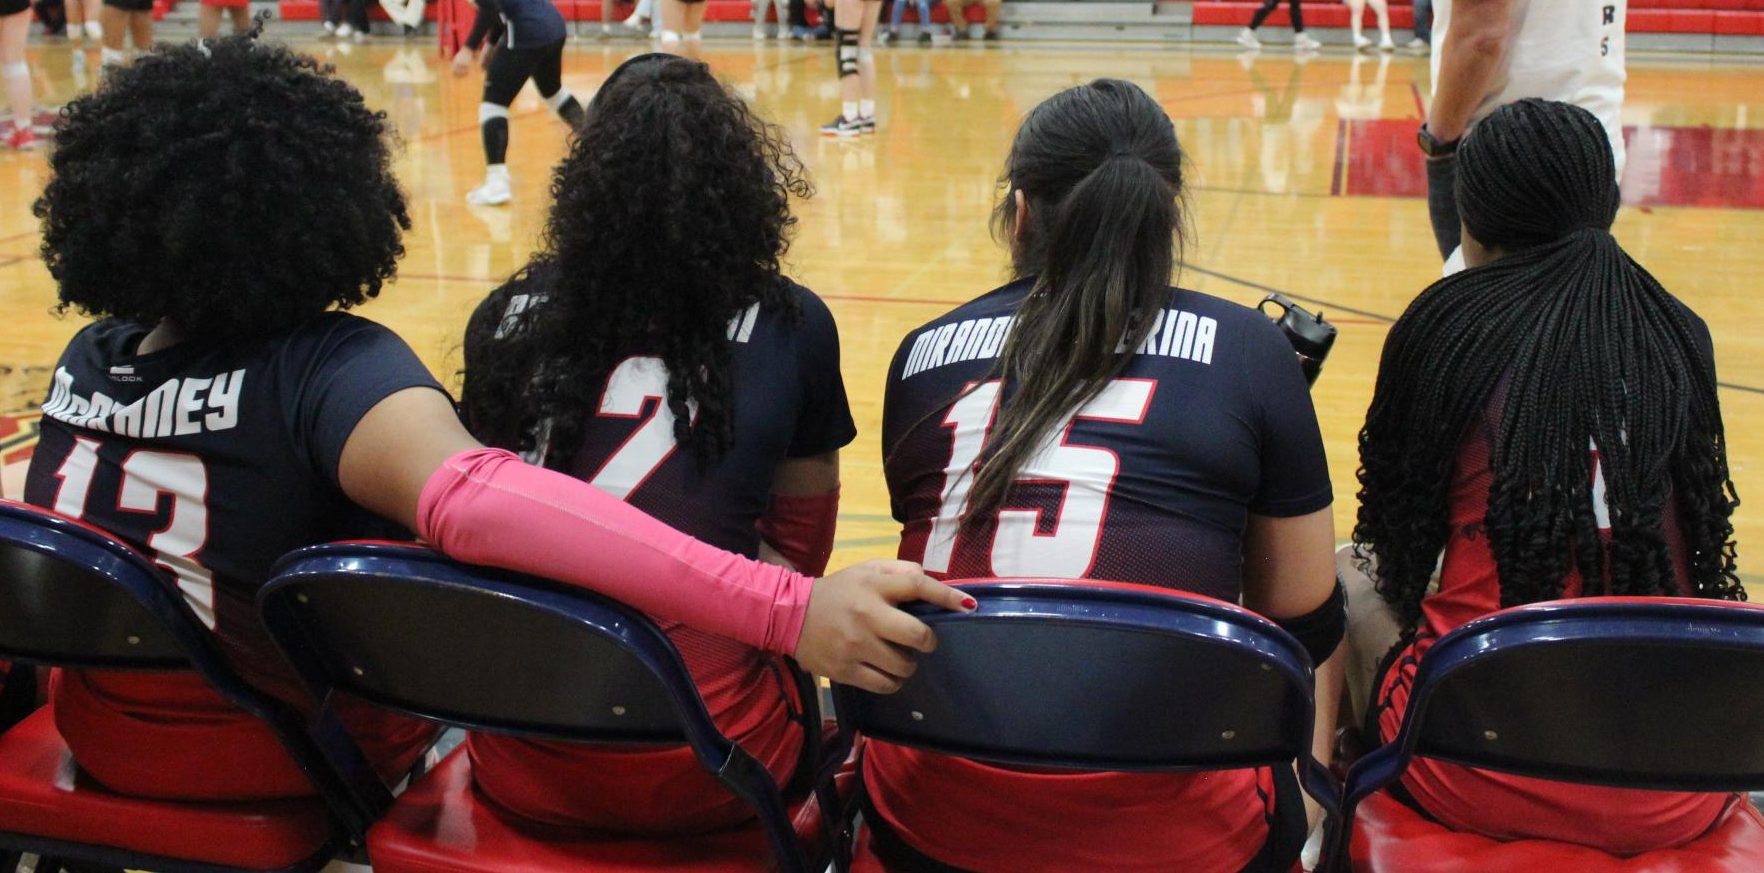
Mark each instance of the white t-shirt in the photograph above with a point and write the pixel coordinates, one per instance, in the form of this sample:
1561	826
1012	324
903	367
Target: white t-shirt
1567	50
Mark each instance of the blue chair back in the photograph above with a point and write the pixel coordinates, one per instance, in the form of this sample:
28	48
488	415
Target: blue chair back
406	628
1633	692
74	596
1094	677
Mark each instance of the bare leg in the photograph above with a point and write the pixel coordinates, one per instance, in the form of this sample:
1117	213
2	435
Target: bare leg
208	21
673	25
1382	9
1372	630
867	58
141	30
694	24
241	19
116	32
14	29
1356	12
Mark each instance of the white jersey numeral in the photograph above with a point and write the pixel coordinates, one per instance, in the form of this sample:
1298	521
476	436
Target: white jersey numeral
146	475
634	383
1088	473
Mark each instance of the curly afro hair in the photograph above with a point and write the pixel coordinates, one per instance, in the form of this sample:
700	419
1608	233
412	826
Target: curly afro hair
670	216
233	187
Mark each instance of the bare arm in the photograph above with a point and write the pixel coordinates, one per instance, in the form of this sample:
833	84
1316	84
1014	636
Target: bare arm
1475	45
1288	571
556	526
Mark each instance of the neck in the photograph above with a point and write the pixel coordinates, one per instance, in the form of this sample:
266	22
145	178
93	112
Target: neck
163	336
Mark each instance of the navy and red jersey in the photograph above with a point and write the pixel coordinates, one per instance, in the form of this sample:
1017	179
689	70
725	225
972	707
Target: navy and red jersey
1620	821
214	459
517	24
1151	482
789	402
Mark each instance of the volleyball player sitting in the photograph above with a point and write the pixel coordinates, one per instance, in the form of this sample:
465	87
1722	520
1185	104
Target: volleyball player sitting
1492	387
655	350
1088	420
219	414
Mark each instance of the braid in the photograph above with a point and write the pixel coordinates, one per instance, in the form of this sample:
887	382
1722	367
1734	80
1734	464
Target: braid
1562	345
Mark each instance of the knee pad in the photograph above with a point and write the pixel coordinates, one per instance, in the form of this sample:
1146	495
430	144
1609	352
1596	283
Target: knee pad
846	44
17	70
490	111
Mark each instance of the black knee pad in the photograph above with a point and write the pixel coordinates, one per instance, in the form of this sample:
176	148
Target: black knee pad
846	44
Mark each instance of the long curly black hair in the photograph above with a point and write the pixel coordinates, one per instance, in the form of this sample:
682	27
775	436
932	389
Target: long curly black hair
233	187
671	214
1588	349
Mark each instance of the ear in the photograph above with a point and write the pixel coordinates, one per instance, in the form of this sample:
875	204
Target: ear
1022	213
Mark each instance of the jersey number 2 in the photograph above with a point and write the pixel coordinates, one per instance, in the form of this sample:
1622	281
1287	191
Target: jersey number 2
145	476
1087	472
630	387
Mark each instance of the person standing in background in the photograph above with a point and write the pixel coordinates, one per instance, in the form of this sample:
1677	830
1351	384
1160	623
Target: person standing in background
125	20
854	34
1301	41
15	28
1423	41
1494	52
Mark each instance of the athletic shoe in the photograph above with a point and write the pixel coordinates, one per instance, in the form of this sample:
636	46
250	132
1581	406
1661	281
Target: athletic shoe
925	37
43	123
1247	39
345	30
842	126
759	31
22	139
494	192
359	36
1385	45
993	36
867	125
887	36
1361	43
1304	43
1417	46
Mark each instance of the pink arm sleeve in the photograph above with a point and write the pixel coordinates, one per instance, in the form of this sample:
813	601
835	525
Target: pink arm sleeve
486	506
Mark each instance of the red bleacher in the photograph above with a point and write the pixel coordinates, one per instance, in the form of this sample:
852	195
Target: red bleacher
1721	17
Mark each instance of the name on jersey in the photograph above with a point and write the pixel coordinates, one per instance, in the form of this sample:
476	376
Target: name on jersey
178	407
740	327
1177	334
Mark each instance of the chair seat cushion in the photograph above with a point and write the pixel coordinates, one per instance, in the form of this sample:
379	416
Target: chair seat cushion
43	795
442	825
1389	837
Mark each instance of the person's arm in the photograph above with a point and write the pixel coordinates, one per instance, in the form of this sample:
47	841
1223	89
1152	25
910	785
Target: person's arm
1289	578
410	460
797	529
1475	45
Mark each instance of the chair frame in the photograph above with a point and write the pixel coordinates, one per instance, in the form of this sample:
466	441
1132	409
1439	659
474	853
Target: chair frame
1128	608
74	542
634	632
1643	621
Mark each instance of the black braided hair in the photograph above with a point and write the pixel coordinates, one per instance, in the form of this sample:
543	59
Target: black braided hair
1586	346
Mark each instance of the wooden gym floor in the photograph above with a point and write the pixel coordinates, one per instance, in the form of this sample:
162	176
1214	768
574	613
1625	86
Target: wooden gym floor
1304	177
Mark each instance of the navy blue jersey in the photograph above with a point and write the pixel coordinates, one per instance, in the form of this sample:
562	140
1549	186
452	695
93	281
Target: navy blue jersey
789	402
1151	482
524	24
216	459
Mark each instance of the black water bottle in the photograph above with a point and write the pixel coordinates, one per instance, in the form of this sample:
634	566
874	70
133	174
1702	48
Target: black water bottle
1310	336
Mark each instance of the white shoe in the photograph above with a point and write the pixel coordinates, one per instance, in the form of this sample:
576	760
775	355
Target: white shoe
344	31
1247	39
1361	43
359	36
494	192
759	31
1304	43
1385	45
1417	46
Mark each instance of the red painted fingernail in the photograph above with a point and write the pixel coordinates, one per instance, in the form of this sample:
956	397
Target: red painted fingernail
970	604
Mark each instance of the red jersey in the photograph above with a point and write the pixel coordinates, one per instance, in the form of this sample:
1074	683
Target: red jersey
1151	482
1620	821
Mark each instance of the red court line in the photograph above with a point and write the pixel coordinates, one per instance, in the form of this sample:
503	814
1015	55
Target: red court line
17	236
1420	108
1341	136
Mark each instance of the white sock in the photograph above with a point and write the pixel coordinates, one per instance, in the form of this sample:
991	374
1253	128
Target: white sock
110	57
849	109
866	109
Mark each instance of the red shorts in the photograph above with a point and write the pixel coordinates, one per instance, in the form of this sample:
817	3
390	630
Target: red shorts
1619	821
170	736
980	817
228	4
